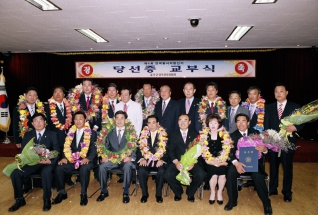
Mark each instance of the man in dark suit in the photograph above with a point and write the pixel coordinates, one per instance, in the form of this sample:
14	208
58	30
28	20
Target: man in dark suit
86	163
147	90
236	168
147	165
167	110
189	105
274	113
112	92
233	110
45	167
115	142
31	96
177	145
86	100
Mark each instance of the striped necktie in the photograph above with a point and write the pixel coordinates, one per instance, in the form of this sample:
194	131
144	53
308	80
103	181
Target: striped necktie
280	111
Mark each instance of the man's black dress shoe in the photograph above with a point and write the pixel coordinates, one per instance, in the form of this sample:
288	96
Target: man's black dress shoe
18	203
229	206
273	193
126	198
268	210
211	202
144	199
59	198
119	181
84	200
220	202
288	198
191	198
239	188
102	196
159	199
249	183
46	205
177	198
206	186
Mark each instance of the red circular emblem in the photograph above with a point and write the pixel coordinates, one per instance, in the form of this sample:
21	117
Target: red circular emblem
241	68
87	70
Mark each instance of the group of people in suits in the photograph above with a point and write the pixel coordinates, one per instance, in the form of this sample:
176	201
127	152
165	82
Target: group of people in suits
181	122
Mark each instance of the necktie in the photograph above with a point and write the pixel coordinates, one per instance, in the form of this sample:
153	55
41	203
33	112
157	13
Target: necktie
188	106
244	134
87	102
113	106
251	110
163	107
153	136
212	107
62	109
119	136
39	138
125	108
146	102
184	136
32	110
232	115
280	111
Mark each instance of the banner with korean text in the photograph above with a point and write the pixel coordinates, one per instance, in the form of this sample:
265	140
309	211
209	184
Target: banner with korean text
166	69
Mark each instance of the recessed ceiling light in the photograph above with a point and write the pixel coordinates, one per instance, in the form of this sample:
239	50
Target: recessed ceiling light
92	35
91	48
264	1
165	38
225	45
157	47
29	50
179	41
138	39
44	5
128	42
238	32
297	45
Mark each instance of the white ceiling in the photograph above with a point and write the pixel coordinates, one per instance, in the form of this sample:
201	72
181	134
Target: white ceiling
285	24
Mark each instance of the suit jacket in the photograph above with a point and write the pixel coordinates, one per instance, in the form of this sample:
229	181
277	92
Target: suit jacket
236	135
134	113
49	139
152	148
61	134
271	118
113	145
92	151
193	112
110	110
97	120
176	145
169	119
231	126
15	124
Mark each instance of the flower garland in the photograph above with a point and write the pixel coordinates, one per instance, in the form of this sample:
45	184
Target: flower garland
203	105
259	110
24	113
130	135
143	144
105	106
55	120
154	98
226	146
77	157
75	94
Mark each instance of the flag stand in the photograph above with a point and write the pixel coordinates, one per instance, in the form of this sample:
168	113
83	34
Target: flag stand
6	139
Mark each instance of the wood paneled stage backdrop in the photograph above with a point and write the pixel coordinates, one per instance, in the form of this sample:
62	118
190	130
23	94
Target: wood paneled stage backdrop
298	68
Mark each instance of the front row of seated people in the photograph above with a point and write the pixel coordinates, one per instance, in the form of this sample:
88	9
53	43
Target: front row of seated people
217	173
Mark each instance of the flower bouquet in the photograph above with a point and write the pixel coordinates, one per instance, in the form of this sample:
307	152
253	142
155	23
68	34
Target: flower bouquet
187	160
31	155
269	138
307	113
154	98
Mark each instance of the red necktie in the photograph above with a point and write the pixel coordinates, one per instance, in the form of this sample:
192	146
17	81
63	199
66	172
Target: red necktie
280	111
125	108
212	107
113	107
87	103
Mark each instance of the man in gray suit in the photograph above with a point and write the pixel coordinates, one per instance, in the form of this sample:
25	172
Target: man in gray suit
233	110
115	142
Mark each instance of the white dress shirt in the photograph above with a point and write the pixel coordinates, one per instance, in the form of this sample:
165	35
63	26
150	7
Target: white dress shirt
283	105
134	113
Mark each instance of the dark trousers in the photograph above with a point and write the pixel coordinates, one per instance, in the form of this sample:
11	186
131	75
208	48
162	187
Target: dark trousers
143	173
84	172
259	181
287	162
198	175
45	171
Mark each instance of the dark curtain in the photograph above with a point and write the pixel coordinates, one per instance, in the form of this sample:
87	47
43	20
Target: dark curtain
295	67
